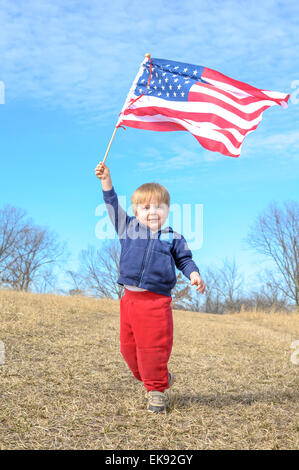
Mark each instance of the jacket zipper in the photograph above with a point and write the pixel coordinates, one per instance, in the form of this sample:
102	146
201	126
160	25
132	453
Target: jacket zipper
144	260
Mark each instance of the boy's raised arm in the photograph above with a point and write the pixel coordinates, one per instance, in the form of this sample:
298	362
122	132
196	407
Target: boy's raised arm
117	214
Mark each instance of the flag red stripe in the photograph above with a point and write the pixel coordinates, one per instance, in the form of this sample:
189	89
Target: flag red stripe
243	101
215	146
202	97
214	75
162	126
196	117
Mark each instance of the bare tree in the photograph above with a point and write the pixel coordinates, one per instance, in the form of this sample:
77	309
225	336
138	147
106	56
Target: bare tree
75	290
181	293
99	270
211	301
45	280
275	235
228	284
223	290
269	297
12	224
35	251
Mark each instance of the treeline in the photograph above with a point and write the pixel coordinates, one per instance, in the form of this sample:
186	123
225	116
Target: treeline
32	258
29	254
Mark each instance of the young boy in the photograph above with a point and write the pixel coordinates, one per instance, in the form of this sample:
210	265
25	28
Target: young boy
148	258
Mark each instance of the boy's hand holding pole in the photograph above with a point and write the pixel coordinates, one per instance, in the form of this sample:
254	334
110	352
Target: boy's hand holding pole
102	172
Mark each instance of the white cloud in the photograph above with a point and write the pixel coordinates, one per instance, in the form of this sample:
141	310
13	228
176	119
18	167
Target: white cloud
283	140
281	144
182	152
83	56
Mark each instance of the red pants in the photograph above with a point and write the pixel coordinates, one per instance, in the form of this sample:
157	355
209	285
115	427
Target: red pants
146	336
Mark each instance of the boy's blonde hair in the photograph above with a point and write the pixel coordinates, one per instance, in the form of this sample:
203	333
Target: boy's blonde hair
146	192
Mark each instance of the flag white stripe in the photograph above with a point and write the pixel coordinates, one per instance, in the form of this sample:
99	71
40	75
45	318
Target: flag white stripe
226	87
191	126
195	107
208	125
275	94
241	93
246	108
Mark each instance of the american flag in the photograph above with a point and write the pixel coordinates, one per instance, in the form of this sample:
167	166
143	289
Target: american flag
174	96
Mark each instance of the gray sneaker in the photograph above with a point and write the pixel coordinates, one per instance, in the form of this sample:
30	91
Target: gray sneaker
171	380
156	402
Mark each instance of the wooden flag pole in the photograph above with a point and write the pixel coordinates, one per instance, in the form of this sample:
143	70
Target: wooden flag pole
116	127
108	148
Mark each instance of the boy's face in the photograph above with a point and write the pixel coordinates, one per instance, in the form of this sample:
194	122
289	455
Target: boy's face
152	214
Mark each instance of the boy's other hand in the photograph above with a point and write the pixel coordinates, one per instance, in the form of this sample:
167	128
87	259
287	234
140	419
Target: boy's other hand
102	172
197	280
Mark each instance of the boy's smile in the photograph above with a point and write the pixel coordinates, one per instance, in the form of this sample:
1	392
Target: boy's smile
152	214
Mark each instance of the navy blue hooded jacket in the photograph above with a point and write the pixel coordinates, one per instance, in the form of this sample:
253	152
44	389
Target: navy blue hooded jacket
147	258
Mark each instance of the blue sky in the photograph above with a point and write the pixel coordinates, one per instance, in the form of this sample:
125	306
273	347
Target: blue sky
67	67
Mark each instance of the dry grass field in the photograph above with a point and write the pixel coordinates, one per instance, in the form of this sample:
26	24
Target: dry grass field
64	384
